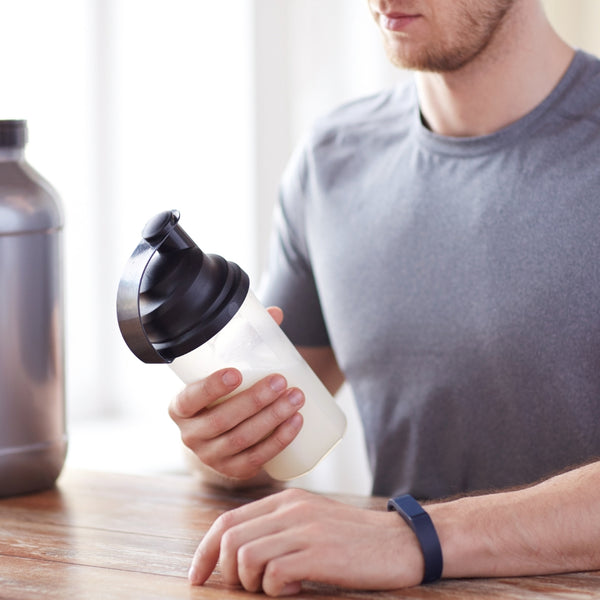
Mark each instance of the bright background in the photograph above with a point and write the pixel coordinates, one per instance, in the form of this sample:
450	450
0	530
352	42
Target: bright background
138	106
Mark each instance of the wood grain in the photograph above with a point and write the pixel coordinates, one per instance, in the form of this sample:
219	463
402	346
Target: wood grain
99	535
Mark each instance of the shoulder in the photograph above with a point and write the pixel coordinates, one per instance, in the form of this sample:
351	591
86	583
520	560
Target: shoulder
365	119
352	132
582	94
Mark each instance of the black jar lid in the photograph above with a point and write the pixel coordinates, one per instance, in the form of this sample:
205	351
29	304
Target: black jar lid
13	133
173	297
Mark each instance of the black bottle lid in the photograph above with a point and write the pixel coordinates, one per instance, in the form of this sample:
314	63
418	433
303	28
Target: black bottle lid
13	133
172	297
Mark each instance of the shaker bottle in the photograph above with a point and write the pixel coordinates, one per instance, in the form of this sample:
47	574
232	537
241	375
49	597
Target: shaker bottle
33	440
196	312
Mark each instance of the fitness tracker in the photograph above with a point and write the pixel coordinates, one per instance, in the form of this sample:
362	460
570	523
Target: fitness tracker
420	522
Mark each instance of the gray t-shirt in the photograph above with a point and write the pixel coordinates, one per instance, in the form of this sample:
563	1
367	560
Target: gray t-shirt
458	282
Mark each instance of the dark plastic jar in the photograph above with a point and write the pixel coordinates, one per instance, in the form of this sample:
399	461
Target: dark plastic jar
33	440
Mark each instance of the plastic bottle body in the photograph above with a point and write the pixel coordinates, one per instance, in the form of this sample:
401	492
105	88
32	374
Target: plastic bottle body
253	343
33	439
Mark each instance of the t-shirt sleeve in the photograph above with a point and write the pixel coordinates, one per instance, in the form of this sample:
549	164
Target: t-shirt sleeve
289	281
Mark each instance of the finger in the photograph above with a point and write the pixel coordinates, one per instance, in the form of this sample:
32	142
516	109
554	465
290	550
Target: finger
232	453
283	575
203	562
196	396
223	417
284	571
236	528
290	589
256	428
276	313
255	556
253	459
246	548
258	547
207	554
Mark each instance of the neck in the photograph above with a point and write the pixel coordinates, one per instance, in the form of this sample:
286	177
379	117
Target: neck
525	53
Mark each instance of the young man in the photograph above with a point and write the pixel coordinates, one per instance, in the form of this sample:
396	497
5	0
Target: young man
437	246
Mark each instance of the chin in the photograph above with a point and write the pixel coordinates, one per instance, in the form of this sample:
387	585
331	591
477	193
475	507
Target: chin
401	56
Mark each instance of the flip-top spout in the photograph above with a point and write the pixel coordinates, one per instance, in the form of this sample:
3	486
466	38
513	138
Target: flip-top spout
172	297
164	233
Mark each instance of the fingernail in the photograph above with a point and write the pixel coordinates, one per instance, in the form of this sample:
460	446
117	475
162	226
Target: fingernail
230	378
296	398
277	383
291	589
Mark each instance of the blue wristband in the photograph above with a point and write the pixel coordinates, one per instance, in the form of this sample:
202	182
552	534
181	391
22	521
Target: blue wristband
420	522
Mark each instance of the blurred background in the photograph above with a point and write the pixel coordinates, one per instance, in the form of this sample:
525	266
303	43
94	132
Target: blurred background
139	106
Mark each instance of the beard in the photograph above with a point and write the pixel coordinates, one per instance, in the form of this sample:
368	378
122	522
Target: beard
471	26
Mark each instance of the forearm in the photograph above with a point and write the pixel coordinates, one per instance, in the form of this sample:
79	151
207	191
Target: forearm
550	527
323	362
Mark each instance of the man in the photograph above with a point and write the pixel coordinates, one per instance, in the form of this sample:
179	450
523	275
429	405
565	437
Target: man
437	246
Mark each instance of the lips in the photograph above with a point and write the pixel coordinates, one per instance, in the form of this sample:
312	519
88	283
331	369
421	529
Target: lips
395	15
396	21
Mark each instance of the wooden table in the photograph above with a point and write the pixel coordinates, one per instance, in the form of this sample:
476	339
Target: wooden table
99	535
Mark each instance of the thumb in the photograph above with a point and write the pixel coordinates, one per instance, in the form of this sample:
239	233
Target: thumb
276	313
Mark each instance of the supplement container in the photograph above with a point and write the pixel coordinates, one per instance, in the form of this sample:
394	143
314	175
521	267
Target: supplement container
33	440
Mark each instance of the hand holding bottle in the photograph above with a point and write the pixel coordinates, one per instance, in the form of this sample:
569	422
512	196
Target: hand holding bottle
236	438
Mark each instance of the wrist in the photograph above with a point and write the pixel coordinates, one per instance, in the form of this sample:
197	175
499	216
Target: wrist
466	529
417	518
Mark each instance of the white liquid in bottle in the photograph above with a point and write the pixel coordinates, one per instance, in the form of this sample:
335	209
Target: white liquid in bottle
253	343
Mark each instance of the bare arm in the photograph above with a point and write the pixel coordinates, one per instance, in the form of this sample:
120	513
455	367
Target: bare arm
551	527
276	543
323	362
